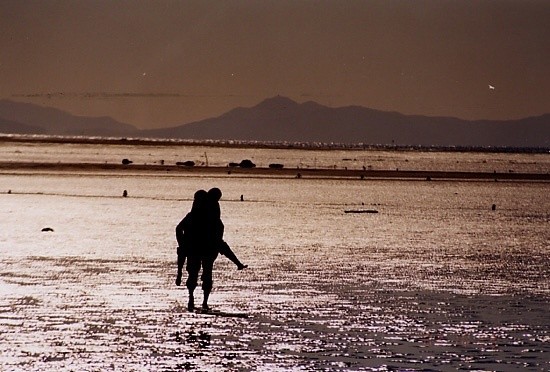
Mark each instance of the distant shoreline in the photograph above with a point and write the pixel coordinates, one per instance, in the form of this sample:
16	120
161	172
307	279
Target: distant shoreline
122	141
298	173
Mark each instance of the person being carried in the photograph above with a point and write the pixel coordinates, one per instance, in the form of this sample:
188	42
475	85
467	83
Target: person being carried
213	203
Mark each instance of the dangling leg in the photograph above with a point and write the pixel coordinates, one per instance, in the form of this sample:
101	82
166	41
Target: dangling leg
181	262
228	252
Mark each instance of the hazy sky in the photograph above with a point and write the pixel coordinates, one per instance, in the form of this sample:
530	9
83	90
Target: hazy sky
160	63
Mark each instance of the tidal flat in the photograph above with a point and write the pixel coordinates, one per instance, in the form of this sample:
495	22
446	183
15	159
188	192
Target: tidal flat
436	280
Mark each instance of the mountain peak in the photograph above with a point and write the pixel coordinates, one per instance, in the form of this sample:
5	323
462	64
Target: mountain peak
277	103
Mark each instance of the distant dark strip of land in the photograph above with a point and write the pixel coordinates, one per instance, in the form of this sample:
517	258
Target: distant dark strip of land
14	167
263	144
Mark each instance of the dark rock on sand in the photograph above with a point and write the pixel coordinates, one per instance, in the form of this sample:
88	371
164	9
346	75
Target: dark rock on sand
247	164
188	163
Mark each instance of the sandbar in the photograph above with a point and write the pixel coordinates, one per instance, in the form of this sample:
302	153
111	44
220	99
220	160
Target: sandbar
316	173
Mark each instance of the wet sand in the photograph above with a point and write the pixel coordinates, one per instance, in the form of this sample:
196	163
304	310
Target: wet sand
130	316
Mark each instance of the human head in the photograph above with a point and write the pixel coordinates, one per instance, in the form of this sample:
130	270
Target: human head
215	194
199	199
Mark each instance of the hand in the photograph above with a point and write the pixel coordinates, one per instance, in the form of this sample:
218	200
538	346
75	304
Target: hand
178	280
241	266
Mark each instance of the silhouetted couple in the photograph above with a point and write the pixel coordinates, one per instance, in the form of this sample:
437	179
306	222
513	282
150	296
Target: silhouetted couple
200	240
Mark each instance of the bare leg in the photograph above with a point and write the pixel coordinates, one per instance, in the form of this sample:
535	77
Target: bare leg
205	301
193	267
228	252
191	303
207	267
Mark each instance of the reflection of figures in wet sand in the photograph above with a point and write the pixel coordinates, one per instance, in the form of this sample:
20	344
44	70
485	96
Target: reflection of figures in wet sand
200	239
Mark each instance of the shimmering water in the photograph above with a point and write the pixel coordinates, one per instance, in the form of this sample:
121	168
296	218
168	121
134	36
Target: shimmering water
435	281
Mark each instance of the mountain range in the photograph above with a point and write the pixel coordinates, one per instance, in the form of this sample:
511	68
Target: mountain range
27	118
282	119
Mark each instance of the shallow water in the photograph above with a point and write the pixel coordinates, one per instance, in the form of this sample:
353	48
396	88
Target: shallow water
435	281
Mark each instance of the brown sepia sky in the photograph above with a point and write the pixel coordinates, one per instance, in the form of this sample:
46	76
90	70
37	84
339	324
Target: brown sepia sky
161	63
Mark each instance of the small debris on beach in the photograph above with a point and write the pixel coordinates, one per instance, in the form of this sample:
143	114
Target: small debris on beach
126	161
361	211
47	229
